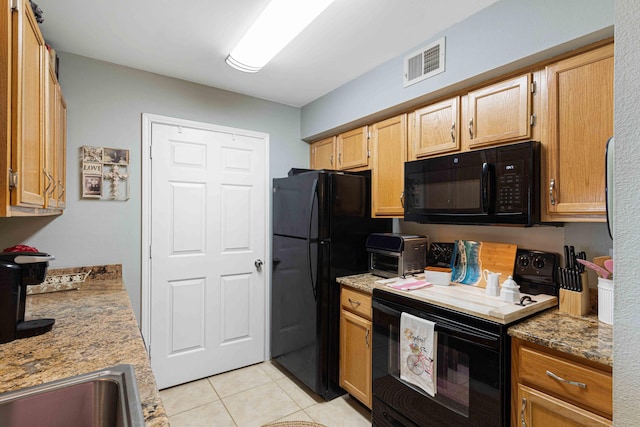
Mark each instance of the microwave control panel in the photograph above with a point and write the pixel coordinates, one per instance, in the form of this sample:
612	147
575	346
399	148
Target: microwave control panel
509	187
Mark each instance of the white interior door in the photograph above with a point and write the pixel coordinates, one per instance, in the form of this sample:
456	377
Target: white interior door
208	234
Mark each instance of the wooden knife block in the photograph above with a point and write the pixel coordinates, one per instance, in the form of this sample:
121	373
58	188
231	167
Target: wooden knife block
574	302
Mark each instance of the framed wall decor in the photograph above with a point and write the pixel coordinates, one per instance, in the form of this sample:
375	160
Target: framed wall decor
105	173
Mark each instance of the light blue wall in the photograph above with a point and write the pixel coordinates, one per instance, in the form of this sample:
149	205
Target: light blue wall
507	35
105	103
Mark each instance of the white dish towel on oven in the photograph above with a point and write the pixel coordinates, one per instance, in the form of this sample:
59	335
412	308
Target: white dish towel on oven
418	351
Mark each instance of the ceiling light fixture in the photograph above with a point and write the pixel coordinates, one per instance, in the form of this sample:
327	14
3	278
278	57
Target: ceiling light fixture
279	23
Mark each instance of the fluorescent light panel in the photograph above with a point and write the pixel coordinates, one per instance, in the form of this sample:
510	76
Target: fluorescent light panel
278	24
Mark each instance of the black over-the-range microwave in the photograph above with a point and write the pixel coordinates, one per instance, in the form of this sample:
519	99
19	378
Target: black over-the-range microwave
499	185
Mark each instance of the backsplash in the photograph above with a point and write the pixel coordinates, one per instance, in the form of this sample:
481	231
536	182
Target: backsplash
70	278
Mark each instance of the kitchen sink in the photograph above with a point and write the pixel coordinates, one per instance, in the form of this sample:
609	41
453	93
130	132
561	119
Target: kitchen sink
105	398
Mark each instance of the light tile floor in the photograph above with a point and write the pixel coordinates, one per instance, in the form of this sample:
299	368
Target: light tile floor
254	396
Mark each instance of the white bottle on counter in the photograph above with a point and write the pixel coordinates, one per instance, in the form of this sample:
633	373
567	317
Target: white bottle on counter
492	289
510	291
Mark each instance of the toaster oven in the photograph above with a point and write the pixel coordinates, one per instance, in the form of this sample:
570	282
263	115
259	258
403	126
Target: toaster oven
396	255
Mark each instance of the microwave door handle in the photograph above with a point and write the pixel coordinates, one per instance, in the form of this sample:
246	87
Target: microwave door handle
485	187
314	195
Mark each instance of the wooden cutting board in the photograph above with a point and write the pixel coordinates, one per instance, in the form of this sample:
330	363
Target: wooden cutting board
471	258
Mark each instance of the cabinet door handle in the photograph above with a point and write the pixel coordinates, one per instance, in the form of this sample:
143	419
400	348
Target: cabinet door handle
331	159
354	302
340	158
453	129
523	420
471	128
61	190
575	383
552	185
402	199
51	187
366	338
46	174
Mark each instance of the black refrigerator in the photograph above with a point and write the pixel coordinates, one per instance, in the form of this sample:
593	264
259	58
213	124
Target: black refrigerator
321	220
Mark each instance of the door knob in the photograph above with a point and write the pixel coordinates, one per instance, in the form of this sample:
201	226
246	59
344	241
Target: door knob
258	263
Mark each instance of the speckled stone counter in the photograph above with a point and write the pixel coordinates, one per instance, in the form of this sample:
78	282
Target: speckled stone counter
362	282
94	328
580	336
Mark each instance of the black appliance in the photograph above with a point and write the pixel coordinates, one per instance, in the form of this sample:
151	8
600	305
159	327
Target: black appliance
396	254
17	271
321	220
499	185
440	254
536	272
472	368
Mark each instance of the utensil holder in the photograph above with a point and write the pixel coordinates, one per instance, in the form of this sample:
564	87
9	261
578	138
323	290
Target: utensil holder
605	300
576	302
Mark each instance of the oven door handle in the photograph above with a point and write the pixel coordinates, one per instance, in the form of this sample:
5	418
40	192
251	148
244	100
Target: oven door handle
472	337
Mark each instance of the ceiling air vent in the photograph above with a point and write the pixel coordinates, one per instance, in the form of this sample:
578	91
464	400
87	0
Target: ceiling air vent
424	63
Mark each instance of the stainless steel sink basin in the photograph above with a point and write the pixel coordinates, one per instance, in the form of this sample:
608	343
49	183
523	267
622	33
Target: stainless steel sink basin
104	398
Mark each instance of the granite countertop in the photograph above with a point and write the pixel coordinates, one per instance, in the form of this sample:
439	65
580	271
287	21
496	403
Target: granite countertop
582	336
94	328
362	282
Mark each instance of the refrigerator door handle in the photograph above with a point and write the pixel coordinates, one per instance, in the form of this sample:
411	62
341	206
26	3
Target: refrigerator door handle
314	192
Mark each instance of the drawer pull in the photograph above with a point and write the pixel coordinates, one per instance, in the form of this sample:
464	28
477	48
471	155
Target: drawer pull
575	383
354	302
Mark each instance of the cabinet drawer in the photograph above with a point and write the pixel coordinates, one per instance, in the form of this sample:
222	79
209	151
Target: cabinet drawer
589	386
356	302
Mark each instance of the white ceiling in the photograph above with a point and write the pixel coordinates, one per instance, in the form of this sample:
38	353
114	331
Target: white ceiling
190	39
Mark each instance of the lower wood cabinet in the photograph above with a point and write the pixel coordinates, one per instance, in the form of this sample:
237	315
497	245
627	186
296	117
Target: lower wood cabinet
550	388
355	344
540	409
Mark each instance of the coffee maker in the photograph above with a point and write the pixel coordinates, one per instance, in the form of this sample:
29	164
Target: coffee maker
17	271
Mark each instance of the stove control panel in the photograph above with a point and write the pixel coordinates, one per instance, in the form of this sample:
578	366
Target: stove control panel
535	263
536	271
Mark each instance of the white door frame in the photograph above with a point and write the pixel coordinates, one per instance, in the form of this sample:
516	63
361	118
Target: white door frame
145	312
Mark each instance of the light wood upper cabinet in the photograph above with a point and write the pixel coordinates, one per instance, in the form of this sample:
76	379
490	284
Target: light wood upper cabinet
55	142
435	129
352	149
355	344
32	141
579	120
388	142
50	152
323	154
498	113
28	109
60	133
